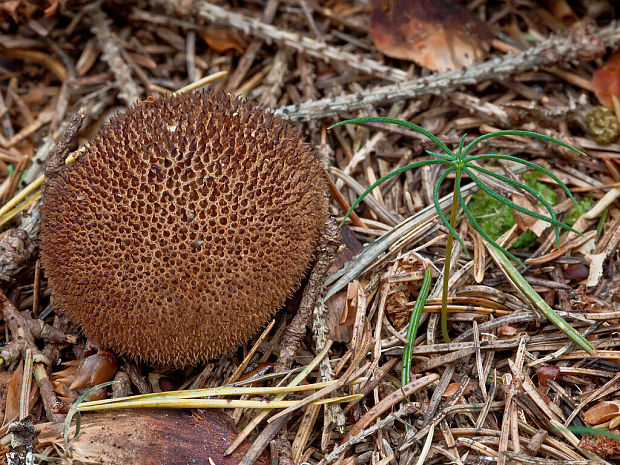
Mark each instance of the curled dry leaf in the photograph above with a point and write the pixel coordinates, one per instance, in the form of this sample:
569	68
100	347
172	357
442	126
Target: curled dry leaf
436	34
223	40
451	390
22	11
606	81
152	436
11	411
506	331
336	309
547	372
341	312
352	246
602	412
527	222
85	374
13	391
95	369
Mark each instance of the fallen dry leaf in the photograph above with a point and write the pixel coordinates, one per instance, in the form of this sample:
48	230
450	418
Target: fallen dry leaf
335	310
606	81
80	375
451	390
547	372
505	331
11	409
223	40
527	222
22	11
95	369
13	392
436	34
577	271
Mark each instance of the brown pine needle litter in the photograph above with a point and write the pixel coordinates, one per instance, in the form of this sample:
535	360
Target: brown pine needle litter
323	383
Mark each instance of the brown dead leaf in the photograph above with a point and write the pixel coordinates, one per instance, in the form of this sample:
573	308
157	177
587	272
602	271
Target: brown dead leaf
527	222
506	331
80	375
51	9
577	271
606	81
95	369
436	34
22	11
13	390
547	372
352	247
11	409
335	308
5	378
451	390
223	40
348	314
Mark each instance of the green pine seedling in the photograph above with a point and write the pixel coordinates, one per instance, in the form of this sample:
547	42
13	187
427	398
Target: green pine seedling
460	162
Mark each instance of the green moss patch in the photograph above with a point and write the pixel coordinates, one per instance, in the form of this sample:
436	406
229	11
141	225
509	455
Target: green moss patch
496	218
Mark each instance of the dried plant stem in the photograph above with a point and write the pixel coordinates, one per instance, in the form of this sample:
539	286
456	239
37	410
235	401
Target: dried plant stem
404	411
212	403
295	332
248	358
261	415
201	82
112	51
246	61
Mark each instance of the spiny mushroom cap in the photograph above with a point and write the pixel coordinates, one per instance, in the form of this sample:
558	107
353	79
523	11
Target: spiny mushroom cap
184	225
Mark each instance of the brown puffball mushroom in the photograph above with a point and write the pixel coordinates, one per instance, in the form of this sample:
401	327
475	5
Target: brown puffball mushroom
183	227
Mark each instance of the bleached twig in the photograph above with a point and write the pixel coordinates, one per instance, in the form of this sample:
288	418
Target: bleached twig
557	49
112	53
301	43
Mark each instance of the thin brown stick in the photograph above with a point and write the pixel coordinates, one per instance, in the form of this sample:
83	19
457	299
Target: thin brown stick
296	330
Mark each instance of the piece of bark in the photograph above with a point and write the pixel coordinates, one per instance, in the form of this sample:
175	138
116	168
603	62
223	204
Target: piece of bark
152	436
